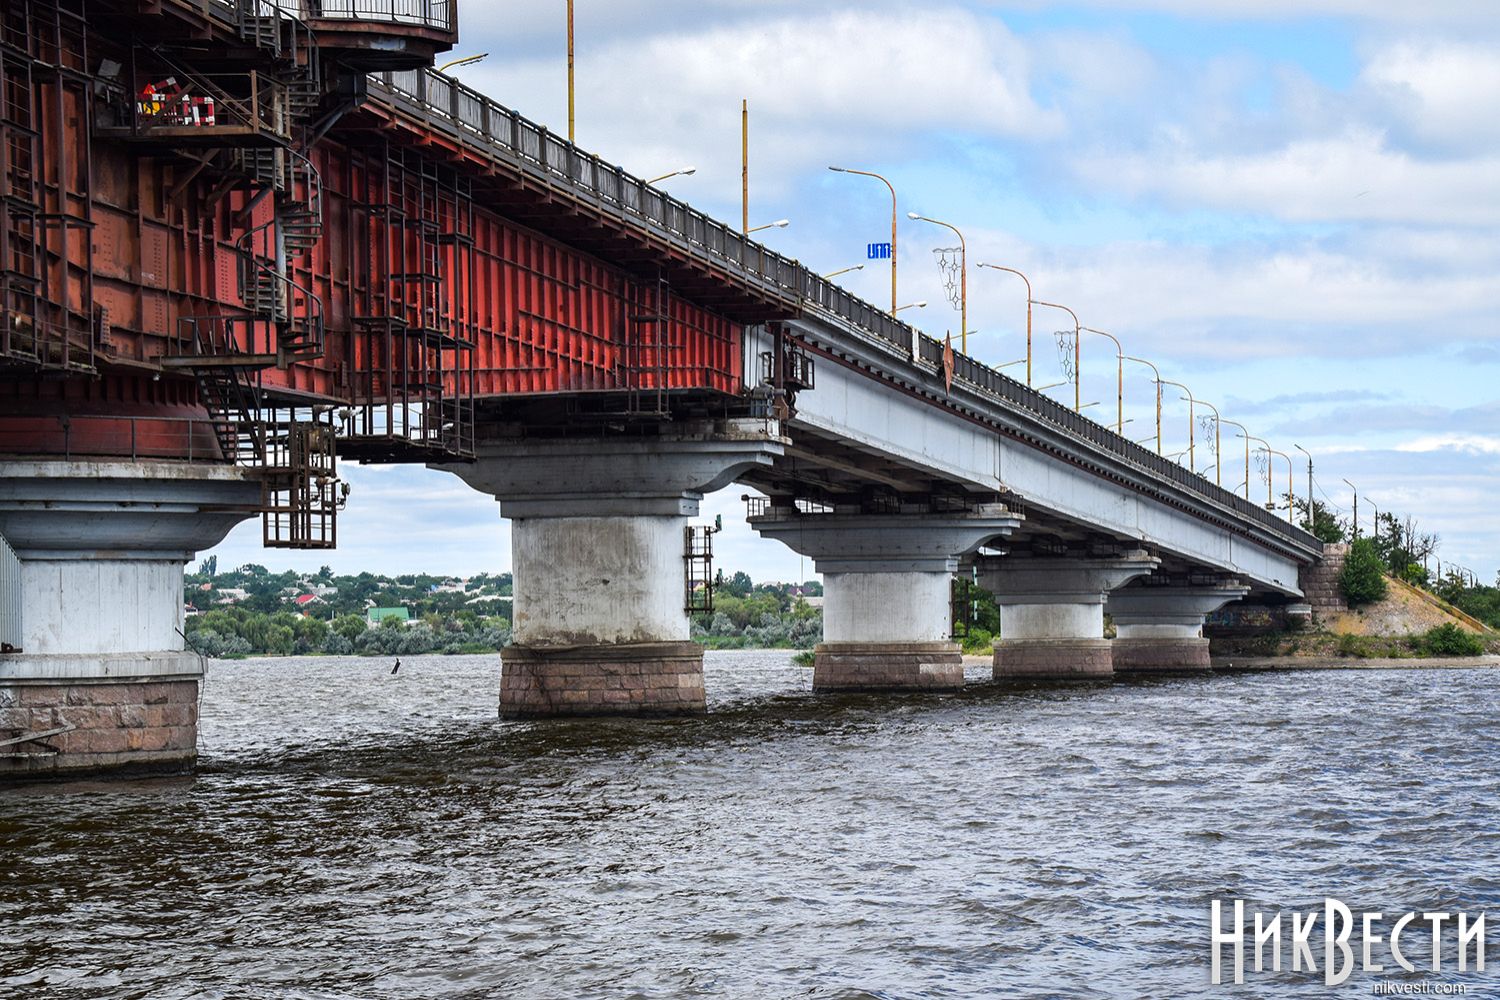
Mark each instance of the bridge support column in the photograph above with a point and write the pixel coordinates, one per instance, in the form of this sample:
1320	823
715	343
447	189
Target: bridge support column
91	557
887	591
598	556
1052	613
1159	628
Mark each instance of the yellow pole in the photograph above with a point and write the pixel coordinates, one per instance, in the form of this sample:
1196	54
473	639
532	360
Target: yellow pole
745	165
1119	378
888	184
963	279
570	72
1192	419
997	267
1077	354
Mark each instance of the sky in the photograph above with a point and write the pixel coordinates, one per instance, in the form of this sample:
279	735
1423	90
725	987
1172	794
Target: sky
1290	206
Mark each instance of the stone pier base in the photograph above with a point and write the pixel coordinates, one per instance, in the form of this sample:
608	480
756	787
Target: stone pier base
645	678
143	720
1160	656
888	666
1053	660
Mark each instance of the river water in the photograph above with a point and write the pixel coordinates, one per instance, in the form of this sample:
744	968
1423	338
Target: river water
350	834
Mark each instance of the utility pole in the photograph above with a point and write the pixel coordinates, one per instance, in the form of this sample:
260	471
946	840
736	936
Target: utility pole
570	71
1311	521
745	165
1356	508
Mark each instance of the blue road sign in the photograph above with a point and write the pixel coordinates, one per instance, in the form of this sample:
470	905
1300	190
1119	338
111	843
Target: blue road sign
878	251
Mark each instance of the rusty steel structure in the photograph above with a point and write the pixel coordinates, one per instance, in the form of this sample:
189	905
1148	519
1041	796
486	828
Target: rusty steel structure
266	233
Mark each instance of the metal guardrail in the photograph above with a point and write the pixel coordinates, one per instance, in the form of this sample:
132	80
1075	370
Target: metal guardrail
434	97
992	382
424	13
113	436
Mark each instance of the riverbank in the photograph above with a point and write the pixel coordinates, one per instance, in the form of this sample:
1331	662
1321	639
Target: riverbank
1488	661
1249	663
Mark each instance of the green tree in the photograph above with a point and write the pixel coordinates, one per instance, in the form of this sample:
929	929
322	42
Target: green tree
351	627
1327	526
1363	577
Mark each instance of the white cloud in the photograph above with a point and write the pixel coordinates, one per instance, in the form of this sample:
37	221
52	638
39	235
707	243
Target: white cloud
825	87
1471	443
1352	176
1442	91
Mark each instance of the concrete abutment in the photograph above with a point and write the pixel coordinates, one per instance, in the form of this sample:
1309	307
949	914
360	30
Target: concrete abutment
91	590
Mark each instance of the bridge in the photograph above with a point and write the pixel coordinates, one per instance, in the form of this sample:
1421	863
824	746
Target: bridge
244	241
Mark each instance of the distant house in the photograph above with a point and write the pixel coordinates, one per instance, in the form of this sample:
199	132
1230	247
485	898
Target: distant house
189	610
307	599
232	595
205	586
374	616
449	586
320	589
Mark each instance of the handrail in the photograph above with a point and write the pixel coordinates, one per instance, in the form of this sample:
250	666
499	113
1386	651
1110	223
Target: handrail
425	13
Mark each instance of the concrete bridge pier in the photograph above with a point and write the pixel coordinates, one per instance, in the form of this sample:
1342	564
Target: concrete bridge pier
598	535
1052	612
91	557
887	590
1159	628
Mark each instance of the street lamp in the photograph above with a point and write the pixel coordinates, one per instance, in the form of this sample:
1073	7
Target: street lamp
997	267
866	173
683	172
1291	494
1244	433
1310	522
778	224
963	279
1218	454
844	270
461	61
1192	420
570	70
1119	377
1356	506
1266	447
1156	377
911	305
1077	352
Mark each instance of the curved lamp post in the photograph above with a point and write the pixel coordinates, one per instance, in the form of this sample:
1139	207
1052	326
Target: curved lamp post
681	172
1156	377
1077	352
888	184
844	270
963	278
463	61
1192	421
1119	377
997	267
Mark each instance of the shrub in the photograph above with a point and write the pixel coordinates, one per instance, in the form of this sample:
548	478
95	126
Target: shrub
1450	640
1363	576
978	641
1353	645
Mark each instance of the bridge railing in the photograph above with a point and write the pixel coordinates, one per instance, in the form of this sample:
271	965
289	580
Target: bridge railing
438	98
424	13
435	96
994	383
